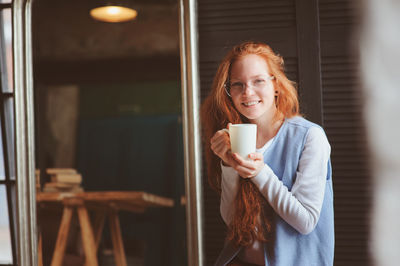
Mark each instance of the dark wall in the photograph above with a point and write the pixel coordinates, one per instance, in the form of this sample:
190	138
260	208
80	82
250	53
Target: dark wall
316	39
64	31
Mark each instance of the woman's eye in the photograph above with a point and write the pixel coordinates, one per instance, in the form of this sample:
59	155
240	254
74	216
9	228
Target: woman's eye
260	81
237	85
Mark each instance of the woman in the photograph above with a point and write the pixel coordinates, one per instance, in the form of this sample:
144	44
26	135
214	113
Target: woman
278	205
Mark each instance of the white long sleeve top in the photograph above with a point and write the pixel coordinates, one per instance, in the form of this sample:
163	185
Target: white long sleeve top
299	207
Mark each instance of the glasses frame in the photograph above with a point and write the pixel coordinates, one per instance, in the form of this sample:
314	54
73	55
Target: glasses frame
226	85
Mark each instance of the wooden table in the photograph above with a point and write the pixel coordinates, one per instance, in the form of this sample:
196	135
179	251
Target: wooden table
106	203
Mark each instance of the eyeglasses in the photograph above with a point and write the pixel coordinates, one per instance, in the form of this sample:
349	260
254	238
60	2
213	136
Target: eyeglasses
237	88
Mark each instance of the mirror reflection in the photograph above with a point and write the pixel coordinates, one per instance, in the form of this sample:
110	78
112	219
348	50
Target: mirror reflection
109	151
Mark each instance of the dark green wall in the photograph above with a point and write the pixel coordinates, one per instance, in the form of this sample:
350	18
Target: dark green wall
141	98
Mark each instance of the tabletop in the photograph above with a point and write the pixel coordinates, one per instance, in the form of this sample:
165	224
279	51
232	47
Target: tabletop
124	200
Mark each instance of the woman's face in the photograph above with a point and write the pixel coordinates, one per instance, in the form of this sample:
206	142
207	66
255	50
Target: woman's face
251	88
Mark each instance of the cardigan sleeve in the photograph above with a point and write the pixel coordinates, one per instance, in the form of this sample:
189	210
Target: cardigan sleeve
301	206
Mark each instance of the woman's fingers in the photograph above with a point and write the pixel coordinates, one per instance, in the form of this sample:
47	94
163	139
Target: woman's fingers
248	172
244	172
219	134
221	150
220	143
221	147
215	145
256	156
248	168
242	162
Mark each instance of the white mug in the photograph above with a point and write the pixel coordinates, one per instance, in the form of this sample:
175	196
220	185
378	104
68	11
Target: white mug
243	139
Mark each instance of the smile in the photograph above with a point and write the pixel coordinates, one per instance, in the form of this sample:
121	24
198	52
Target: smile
248	104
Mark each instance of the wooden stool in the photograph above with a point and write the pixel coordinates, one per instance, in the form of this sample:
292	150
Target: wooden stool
89	245
116	234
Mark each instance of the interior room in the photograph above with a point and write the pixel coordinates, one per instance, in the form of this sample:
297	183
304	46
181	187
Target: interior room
108	105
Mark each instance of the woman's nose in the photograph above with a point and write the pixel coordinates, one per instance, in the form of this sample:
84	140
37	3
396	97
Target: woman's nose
248	89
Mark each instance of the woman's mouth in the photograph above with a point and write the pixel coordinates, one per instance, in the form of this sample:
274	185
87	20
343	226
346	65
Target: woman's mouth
249	104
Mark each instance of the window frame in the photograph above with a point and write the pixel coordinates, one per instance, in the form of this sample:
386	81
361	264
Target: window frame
6	138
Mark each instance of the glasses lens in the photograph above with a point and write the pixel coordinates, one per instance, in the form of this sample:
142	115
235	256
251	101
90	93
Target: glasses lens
236	88
256	84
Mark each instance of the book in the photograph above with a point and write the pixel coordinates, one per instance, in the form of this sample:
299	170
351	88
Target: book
54	189
54	171
67	178
61	185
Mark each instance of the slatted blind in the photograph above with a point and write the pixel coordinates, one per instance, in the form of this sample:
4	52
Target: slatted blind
237	15
343	123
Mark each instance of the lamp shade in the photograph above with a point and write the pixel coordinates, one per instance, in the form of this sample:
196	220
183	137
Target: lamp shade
113	13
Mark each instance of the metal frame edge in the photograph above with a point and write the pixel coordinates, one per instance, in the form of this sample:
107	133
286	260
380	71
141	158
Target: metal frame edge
191	129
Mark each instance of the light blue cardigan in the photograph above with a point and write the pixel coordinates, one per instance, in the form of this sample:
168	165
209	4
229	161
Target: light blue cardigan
290	247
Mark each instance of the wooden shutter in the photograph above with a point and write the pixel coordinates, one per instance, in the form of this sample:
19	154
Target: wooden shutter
343	122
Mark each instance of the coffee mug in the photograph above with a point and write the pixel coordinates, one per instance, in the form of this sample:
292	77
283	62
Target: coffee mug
243	138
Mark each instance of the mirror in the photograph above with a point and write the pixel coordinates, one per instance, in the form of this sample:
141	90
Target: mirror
108	119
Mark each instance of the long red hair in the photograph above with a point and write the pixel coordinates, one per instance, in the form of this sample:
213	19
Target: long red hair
252	219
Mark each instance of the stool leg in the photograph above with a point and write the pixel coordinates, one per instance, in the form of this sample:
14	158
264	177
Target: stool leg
89	245
98	228
62	237
119	252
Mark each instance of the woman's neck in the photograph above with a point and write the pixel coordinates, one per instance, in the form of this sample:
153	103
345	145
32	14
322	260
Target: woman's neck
267	129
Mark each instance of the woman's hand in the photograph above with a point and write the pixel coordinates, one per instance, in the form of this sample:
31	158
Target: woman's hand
248	168
221	146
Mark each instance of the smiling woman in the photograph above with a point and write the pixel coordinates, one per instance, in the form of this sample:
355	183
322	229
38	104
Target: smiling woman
277	204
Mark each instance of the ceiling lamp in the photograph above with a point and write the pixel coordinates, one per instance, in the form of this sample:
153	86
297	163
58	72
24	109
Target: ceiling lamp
113	13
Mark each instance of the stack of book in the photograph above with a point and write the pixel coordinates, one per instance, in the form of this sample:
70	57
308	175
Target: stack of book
63	180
